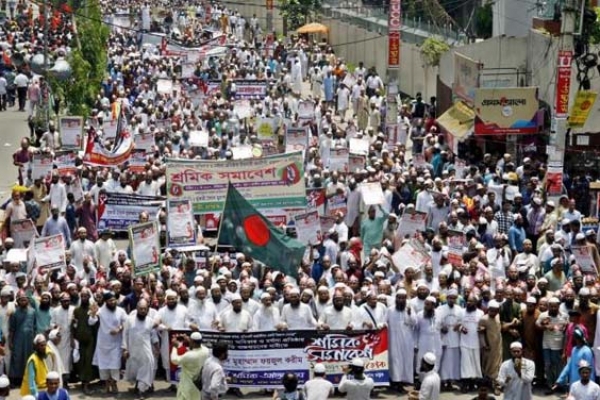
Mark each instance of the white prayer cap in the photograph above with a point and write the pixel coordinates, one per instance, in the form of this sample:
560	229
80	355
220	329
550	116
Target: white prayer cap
319	368
28	397
379	274
196	336
357	362
6	291
584	364
265	295
170	293
52	375
323	288
429	358
236	297
554	300
4	382
516	345
295	290
430	299
215	286
584	292
493	304
54	333
531	300
220	278
422	284
401	291
39	338
452	292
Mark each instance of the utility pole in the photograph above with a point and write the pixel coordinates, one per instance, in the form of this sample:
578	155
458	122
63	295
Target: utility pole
393	69
562	93
45	88
269	21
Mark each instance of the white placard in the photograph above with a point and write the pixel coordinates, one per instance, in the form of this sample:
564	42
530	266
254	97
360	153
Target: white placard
411	223
338	159
372	193
144	141
198	139
71	131
164	86
359	146
49	252
41	166
308	227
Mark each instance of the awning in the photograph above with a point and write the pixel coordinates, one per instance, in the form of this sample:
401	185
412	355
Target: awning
313	28
458	120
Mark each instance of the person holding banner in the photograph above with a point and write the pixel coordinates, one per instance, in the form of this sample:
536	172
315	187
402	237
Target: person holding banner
360	386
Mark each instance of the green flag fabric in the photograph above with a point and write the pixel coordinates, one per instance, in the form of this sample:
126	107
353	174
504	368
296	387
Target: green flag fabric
243	227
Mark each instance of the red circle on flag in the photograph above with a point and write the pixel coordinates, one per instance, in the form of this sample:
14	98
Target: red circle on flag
256	230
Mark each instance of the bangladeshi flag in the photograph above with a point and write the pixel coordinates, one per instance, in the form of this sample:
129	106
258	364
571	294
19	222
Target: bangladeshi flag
243	227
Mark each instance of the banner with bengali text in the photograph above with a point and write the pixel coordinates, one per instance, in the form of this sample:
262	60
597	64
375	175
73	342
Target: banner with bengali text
269	182
117	211
260	359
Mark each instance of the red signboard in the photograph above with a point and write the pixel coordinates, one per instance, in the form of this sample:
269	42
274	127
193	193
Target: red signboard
394	50
563	83
395	16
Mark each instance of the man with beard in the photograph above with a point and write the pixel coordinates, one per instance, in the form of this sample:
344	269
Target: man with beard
267	317
470	356
170	317
554	324
490	338
516	374
360	387
430	387
7	308
107	356
248	303
62	318
510	317
588	310
202	313
401	321
37	367
532	348
235	319
296	315
372	314
139	341
584	388
337	316
57	224
526	262
191	363
81	248
450	316
216	298
86	336
418	303
43	316
184	295
427	333
21	335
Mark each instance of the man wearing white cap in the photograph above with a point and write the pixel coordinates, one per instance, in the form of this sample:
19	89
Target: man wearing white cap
450	317
427	332
295	314
267	317
361	386
430	384
61	318
516	374
191	363
53	390
554	324
202	313
7	308
337	316
373	314
491	342
318	388
235	319
584	388
139	341
401	321
54	339
4	387
170	317
470	355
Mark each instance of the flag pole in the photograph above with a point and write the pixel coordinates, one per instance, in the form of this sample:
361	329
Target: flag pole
220	226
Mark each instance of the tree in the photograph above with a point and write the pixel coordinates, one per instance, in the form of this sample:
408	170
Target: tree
298	12
432	50
484	19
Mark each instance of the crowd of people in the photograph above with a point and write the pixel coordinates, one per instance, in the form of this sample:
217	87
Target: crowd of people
473	315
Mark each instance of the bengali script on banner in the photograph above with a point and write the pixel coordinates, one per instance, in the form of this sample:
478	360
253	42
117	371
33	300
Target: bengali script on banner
269	182
260	359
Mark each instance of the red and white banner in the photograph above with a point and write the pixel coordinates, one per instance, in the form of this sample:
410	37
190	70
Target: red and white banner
563	83
96	154
394	25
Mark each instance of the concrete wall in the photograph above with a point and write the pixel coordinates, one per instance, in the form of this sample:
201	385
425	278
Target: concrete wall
512	17
356	44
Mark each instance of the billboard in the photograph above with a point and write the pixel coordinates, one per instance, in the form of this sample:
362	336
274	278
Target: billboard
511	111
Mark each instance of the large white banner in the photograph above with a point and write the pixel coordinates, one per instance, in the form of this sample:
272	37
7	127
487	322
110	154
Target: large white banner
49	252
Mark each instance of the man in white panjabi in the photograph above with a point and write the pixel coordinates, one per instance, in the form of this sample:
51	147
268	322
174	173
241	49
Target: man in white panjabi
318	388
449	316
584	388
373	314
470	356
61	318
7	308
267	317
139	341
107	355
401	320
235	319
516	374
427	332
170	316
295	314
337	316
201	313
431	384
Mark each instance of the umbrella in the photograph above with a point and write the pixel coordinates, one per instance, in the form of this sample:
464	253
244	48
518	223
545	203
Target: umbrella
313	28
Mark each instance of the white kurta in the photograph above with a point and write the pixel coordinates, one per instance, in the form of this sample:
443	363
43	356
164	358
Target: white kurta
62	319
428	338
5	313
401	344
266	319
517	387
298	318
168	319
579	391
449	317
336	320
108	347
430	388
470	363
368	314
204	314
236	322
138	338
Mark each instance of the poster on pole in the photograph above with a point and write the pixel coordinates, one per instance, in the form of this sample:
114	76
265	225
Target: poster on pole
338	159
71	131
41	166
308	227
49	252
456	247
411	223
180	223
22	232
144	242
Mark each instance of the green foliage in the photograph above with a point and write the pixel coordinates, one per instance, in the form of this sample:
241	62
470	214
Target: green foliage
299	12
88	60
595	29
484	19
432	50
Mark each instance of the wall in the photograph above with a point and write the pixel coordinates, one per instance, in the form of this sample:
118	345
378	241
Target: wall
356	44
513	17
